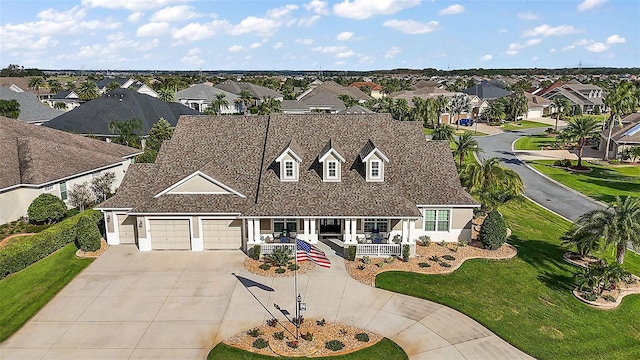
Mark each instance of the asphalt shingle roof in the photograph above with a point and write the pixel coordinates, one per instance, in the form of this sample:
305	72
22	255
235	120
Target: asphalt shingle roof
31	109
486	91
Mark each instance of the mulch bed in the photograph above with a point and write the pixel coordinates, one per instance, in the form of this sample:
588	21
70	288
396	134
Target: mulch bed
5	240
93	254
313	348
253	266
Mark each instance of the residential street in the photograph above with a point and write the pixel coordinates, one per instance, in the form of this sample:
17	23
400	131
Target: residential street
540	189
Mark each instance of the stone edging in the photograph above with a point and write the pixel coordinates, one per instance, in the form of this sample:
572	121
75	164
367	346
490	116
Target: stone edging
453	268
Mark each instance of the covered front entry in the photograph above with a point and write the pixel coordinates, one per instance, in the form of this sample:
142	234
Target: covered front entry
330	227
170	234
126	229
222	234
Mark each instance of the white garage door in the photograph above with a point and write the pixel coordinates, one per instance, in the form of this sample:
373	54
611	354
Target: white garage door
170	234
127	229
222	234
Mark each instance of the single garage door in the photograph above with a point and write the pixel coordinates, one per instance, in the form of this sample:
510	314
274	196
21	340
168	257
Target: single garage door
222	234
170	234
126	229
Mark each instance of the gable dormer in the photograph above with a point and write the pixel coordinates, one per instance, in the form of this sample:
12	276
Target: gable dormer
331	162
374	161
199	183
289	162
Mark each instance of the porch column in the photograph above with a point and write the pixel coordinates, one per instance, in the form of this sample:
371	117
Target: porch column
405	231
256	230
312	228
250	234
346	237
412	231
306	230
354	230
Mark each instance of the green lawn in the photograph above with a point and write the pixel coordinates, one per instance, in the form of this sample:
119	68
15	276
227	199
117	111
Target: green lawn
523	124
527	300
534	142
428	131
602	184
385	349
27	291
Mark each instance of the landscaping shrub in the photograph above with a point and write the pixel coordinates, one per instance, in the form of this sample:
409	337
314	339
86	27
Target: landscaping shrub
272	322
87	235
434	258
46	208
589	296
254	332
260	343
366	259
334	345
307	337
424	240
444	264
280	270
293	267
256	252
609	298
362	337
279	335
389	260
281	256
562	163
265	266
361	267
352	253
18	256
448	257
493	232
424	265
406	250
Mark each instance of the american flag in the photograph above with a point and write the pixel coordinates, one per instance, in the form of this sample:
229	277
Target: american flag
307	251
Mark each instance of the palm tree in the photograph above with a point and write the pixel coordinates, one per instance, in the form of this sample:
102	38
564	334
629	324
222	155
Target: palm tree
493	183
580	129
460	103
88	90
465	144
269	106
432	113
494	112
54	86
59	105
618	225
443	132
238	103
37	82
219	102
518	105
442	104
246	97
621	100
127	132
112	86
348	100
400	108
560	104
166	94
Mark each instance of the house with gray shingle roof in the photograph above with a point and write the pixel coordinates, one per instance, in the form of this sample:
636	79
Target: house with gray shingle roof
200	96
623	137
131	84
228	182
36	160
584	96
257	92
32	110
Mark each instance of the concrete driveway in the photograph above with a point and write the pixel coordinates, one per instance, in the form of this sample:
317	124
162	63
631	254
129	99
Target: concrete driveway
177	305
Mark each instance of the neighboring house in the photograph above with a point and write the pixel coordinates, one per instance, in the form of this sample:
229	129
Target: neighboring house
318	103
257	92
21	84
429	92
130	84
425	84
537	106
334	89
375	89
32	110
622	137
584	96
200	96
68	97
37	160
294	107
334	177
487	91
93	117
356	109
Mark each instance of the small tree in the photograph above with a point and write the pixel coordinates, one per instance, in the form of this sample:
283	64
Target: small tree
101	185
87	235
493	232
59	105
10	108
443	132
46	208
158	133
81	196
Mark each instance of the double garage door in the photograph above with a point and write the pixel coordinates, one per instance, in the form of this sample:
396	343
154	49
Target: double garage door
217	234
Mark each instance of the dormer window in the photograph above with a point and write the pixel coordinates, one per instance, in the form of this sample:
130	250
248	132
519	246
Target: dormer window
374	161
289	170
332	169
289	162
331	161
374	169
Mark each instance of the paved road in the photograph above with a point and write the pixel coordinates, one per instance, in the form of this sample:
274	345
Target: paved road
540	189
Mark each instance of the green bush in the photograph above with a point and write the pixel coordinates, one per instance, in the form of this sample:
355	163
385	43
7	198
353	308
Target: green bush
493	232
334	345
448	257
293	267
87	235
609	298
260	343
424	265
362	337
256	252
280	270
406	250
366	259
265	266
589	296
46	208
562	163
18	256
281	256
278	335
255	332
444	264
352	253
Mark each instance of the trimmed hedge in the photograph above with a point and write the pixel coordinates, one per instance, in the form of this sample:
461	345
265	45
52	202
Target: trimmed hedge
493	232
46	208
87	235
18	256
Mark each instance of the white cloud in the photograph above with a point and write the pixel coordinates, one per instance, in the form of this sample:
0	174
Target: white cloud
192	57
345	54
568	47
590	4
135	16
236	48
616	39
195	31
552	50
597	47
528	16
452	10
486	57
344	36
511	52
581	42
174	13
281	12
392	52
364	9
306	22
411	27
133	5
514	47
318	7
339	63
329	49
278	45
366	59
502	31
255	25
153	29
546	30
255	45
535	58
304	41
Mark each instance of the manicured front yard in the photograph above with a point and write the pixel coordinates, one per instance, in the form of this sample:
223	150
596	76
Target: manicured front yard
523	124
602	184
26	292
385	349
527	300
534	142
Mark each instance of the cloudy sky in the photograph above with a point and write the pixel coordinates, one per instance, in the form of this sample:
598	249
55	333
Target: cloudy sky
316	34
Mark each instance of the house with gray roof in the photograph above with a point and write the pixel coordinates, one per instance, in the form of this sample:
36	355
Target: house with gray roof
228	182
200	96
623	137
586	97
69	98
32	110
257	92
36	160
487	91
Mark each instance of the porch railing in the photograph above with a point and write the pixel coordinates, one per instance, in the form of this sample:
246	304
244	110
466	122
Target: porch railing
267	249
378	250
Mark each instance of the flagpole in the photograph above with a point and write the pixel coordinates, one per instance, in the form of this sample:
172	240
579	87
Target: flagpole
295	290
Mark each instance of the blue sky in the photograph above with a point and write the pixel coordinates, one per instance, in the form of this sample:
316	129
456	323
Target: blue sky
315	34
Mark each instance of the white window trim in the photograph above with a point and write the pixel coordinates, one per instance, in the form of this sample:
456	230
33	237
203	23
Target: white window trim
379	163
376	221
335	176
48	188
424	220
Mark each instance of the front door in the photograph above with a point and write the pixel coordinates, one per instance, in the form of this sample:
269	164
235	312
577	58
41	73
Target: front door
331	226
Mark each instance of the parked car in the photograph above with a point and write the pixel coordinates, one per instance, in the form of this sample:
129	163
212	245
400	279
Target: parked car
466	122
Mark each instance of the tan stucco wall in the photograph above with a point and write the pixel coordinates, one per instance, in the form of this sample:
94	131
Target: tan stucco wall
198	184
461	218
14	204
195	228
